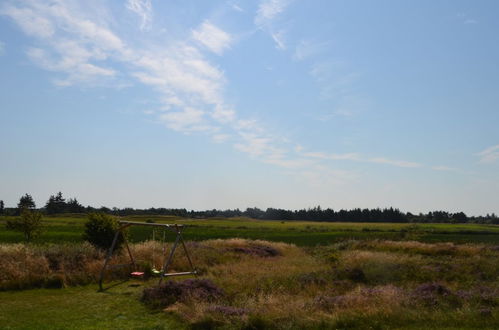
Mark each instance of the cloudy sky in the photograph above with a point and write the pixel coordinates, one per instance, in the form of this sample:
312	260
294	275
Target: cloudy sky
269	103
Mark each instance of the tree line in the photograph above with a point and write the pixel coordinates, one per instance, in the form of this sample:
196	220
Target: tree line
57	204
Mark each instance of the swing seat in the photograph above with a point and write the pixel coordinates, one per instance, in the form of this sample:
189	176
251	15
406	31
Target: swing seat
137	274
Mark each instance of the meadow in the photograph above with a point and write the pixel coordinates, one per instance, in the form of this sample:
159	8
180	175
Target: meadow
63	229
258	274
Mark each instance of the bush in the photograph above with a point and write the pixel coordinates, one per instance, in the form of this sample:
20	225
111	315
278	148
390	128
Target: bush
100	229
30	224
171	292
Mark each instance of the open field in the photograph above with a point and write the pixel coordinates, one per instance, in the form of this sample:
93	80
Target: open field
374	284
296	275
70	228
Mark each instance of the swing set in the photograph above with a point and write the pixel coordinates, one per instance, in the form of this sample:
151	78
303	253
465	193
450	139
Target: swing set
167	259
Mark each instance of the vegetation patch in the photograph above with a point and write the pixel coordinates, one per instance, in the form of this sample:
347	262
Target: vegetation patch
257	250
171	292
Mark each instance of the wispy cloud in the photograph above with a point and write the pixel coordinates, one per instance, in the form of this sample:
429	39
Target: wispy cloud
268	11
306	49
235	6
143	8
31	22
323	155
212	37
358	158
279	40
470	21
334	78
466	19
219	138
444	168
489	155
74	45
398	163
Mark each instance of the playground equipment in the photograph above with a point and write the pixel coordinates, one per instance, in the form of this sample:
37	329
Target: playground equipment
167	259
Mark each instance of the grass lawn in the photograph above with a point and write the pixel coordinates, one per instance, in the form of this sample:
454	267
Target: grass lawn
80	308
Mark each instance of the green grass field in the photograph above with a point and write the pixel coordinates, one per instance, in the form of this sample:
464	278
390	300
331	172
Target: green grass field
80	308
316	284
304	233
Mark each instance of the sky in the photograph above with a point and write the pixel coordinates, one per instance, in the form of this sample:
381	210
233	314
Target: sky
235	104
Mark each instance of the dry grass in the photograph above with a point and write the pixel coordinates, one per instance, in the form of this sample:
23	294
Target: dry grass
416	247
278	285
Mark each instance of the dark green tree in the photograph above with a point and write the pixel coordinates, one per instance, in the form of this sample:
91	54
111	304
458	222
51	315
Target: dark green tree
56	204
100	229
2	207
26	202
73	206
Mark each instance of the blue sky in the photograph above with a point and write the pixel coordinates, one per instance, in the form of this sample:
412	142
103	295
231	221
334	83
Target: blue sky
270	103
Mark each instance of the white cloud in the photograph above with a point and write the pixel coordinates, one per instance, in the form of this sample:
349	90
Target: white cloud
236	7
223	114
77	67
358	158
489	155
269	10
184	120
278	38
267	13
398	163
143	9
322	155
212	37
29	21
74	45
219	138
254	144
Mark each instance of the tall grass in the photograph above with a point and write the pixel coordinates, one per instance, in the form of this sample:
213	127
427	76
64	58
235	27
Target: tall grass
260	284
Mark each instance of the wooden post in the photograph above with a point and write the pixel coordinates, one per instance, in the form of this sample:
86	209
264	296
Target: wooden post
168	261
179	233
109	254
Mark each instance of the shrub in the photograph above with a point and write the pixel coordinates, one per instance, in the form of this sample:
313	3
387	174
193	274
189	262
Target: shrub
171	292
100	229
258	250
30	224
433	294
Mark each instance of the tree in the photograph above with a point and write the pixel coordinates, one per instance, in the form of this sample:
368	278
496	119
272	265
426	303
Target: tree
26	202
100	229
73	206
30	224
2	207
56	204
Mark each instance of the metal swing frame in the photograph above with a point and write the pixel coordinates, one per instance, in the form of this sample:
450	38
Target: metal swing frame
176	228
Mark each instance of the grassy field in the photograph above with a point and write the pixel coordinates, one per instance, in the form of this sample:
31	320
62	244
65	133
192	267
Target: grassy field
303	233
331	276
374	284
